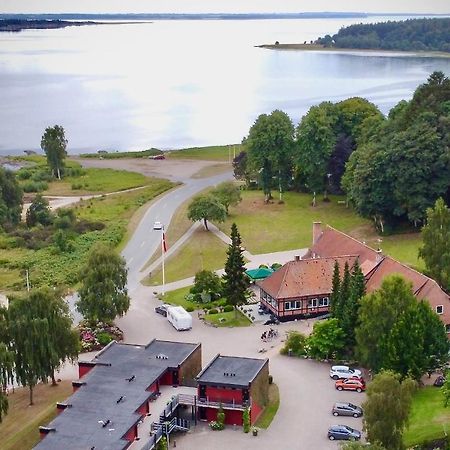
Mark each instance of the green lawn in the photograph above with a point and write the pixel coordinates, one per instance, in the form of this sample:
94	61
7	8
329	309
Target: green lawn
274	227
203	251
228	319
97	181
265	419
212	153
178	298
429	419
20	427
404	248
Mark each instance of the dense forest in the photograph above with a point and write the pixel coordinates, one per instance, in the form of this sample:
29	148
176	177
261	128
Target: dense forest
390	168
408	35
24	24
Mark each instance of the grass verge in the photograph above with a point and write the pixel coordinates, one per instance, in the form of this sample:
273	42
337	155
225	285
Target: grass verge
178	298
203	251
210	171
429	419
266	417
97	181
50	267
211	153
20	427
228	319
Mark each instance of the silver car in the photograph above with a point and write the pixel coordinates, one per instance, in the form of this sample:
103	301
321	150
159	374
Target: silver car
346	409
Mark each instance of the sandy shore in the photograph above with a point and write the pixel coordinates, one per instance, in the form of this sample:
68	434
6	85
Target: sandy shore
321	48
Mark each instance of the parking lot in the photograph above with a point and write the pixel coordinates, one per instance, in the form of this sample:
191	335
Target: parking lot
307	393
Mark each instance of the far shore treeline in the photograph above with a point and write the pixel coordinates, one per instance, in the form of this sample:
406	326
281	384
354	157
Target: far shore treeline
409	35
391	169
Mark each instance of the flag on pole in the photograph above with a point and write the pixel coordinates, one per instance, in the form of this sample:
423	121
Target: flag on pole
163	242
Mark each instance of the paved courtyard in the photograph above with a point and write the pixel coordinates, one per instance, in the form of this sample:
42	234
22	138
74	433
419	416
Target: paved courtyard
307	393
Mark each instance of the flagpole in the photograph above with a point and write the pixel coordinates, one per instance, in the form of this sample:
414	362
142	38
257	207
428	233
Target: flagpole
162	255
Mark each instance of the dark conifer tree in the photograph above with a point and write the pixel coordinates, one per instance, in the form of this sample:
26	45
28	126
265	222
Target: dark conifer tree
235	281
336	284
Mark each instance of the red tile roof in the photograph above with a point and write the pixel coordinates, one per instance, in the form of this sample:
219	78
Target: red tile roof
376	267
304	277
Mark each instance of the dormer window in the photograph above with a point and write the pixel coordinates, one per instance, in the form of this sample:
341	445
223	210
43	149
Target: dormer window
439	309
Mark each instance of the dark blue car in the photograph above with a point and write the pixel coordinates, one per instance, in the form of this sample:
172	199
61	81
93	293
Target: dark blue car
343	432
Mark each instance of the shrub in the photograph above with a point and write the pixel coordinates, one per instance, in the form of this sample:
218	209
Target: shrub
24	174
228	308
76	186
296	343
35	186
41	175
104	338
213	311
189	309
216	426
246	420
206	307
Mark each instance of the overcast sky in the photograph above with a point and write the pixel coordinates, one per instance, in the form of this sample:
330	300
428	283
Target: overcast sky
230	6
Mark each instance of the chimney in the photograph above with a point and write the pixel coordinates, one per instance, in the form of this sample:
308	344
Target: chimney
317	232
297	257
379	256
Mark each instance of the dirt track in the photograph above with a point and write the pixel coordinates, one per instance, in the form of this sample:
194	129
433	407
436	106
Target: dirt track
173	169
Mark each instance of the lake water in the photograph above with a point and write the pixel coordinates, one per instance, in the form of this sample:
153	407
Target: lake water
172	84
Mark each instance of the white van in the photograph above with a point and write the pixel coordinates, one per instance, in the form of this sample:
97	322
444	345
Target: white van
179	318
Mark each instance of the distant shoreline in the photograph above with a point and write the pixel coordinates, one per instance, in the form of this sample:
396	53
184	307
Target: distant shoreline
321	48
15	26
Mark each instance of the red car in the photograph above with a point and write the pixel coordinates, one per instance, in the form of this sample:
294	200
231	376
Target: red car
351	384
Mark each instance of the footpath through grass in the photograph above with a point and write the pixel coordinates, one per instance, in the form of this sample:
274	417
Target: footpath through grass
20	427
429	420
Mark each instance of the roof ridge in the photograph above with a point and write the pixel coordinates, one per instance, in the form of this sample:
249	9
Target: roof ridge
288	266
351	237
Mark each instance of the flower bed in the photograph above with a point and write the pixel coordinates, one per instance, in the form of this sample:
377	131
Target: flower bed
95	336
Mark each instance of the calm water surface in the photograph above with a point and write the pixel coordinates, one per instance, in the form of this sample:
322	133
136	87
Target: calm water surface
172	84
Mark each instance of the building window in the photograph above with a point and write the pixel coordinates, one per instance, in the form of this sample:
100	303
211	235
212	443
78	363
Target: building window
312	303
439	309
292	305
323	301
447	328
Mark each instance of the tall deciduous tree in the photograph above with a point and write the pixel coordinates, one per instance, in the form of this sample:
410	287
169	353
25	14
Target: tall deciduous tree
228	193
205	208
54	144
6	376
207	286
316	140
10	198
327	340
398	332
387	408
235	281
269	149
103	294
436	243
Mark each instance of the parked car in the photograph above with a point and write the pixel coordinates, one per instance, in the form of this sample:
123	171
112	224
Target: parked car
346	409
351	384
162	309
337	372
343	432
157	226
439	381
157	157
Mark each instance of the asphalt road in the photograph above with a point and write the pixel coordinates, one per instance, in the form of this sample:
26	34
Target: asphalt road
145	241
